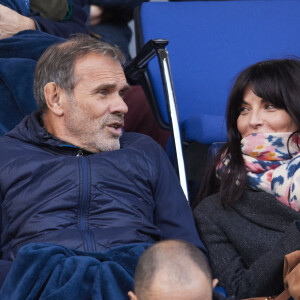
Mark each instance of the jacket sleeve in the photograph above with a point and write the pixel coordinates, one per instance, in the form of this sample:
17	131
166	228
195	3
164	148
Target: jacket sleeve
76	24
172	213
243	281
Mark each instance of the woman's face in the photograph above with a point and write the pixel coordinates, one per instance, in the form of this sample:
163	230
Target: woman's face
260	116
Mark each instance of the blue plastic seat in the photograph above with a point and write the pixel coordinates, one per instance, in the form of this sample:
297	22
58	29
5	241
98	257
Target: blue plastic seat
210	42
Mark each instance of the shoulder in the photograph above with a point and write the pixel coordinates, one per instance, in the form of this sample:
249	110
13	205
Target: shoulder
213	206
9	143
249	198
210	203
139	142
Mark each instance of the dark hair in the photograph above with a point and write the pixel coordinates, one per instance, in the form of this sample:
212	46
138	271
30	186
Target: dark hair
276	81
172	255
58	61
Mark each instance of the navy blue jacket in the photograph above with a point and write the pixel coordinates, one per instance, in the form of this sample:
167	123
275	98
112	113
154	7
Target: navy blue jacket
54	192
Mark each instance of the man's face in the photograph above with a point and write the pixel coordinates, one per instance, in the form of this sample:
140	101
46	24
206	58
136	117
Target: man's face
94	113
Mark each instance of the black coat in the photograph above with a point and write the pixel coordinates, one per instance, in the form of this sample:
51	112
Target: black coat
247	242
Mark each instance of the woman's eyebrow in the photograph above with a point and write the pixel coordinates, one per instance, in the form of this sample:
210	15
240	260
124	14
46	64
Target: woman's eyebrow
264	100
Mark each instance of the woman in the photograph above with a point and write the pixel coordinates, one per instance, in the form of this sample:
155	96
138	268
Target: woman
247	211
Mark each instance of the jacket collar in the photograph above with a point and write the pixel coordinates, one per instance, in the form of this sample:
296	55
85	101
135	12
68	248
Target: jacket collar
32	130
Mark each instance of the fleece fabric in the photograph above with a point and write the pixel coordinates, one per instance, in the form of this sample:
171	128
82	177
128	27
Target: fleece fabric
47	271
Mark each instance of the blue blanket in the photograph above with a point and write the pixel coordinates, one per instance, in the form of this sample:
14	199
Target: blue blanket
17	5
47	271
18	57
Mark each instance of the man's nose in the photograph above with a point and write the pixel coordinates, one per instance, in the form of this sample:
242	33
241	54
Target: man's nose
119	106
256	119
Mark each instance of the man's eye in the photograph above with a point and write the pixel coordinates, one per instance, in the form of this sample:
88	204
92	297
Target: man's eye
122	93
103	92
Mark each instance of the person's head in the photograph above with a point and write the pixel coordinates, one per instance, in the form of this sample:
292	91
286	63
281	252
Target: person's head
265	98
79	86
173	269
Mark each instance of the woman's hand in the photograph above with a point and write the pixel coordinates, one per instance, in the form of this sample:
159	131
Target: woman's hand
12	22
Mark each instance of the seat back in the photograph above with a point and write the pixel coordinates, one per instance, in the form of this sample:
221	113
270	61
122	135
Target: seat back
210	42
18	57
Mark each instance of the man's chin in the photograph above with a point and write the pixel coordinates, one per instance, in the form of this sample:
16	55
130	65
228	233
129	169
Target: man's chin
109	145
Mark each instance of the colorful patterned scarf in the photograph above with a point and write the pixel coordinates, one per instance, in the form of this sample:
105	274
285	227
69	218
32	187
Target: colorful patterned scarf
272	166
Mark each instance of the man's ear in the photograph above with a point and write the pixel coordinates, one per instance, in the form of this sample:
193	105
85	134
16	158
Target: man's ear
215	282
54	99
132	296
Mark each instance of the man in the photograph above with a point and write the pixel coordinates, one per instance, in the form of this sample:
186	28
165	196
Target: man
173	270
69	176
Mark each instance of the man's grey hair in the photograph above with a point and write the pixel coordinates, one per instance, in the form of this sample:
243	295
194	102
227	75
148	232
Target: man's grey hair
58	62
171	255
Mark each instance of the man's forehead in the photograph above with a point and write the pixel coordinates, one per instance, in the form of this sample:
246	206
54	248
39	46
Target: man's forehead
97	68
97	62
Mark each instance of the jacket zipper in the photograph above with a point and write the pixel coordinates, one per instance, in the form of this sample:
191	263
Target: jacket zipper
83	205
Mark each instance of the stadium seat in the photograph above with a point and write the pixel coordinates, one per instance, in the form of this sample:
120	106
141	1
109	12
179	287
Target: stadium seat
209	43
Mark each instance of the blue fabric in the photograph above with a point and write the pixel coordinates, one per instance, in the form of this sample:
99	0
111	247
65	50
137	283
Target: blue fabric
205	128
75	24
47	271
18	57
27	3
17	99
220	290
91	202
5	267
210	42
17	5
27	44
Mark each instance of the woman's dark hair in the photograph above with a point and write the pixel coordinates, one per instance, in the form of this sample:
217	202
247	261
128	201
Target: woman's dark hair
276	81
